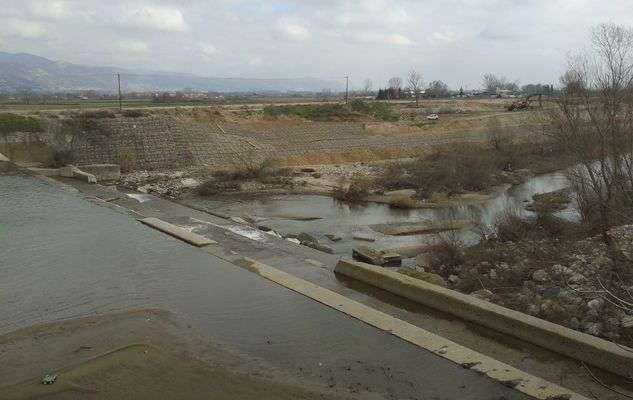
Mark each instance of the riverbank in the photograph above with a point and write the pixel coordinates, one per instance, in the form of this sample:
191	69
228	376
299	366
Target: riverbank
102	357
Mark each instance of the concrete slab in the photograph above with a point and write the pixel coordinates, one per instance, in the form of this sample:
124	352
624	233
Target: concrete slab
580	346
177	232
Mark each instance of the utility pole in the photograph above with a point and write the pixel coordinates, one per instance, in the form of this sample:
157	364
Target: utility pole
346	89
118	77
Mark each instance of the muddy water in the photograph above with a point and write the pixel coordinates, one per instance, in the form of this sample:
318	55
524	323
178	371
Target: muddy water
63	257
349	220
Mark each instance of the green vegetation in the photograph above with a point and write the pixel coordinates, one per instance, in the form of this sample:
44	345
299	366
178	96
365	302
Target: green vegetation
10	123
333	112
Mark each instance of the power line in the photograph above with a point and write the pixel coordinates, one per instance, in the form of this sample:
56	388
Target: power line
346	89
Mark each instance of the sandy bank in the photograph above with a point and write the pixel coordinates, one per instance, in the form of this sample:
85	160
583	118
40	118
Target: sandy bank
139	355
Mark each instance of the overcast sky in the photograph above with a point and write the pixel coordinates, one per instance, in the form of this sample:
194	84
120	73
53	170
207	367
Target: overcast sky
453	40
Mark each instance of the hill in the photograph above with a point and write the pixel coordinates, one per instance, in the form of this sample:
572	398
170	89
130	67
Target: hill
21	71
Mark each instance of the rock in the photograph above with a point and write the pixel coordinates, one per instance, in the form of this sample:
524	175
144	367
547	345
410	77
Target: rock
364	238
189	183
316	175
308	170
319	246
533	309
293	240
595	304
334	238
593	328
49	379
307	238
493	274
483	294
622	238
454	279
574	323
392	259
423	260
264	228
540	276
368	255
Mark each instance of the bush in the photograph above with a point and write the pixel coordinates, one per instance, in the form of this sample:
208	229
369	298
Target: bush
61	158
133	113
127	160
356	191
96	114
10	123
445	253
333	112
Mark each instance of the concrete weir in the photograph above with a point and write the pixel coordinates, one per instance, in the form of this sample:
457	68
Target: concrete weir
580	346
177	232
526	383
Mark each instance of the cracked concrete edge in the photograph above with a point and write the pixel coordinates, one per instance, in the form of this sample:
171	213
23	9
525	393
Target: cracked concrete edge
577	345
467	358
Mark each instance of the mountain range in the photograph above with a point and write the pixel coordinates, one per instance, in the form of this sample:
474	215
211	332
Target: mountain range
21	71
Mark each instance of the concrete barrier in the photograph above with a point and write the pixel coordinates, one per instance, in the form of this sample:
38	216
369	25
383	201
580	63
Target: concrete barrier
73	172
177	232
580	346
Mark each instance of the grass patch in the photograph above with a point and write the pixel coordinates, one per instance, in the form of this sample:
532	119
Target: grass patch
357	109
10	123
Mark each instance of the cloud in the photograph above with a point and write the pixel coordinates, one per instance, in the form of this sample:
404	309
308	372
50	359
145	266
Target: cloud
293	31
380	38
133	47
23	29
154	17
50	9
208	49
399	40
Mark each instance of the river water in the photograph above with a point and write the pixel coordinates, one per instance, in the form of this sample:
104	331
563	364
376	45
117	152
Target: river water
348	220
63	257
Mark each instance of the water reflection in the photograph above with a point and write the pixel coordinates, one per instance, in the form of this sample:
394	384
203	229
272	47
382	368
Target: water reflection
346	220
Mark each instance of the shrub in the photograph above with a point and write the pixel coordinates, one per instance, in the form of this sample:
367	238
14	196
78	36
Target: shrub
356	191
10	123
133	113
96	114
127	160
333	112
445	253
61	158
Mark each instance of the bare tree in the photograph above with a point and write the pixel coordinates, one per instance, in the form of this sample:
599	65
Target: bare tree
395	83
493	83
437	89
414	80
594	121
395	87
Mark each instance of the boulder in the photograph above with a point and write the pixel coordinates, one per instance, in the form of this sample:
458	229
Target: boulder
334	238
540	276
364	238
368	255
307	238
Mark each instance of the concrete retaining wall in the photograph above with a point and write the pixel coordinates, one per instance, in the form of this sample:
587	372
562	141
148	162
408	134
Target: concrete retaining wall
580	346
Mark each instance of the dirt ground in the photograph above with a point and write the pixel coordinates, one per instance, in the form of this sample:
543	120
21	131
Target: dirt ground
135	355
